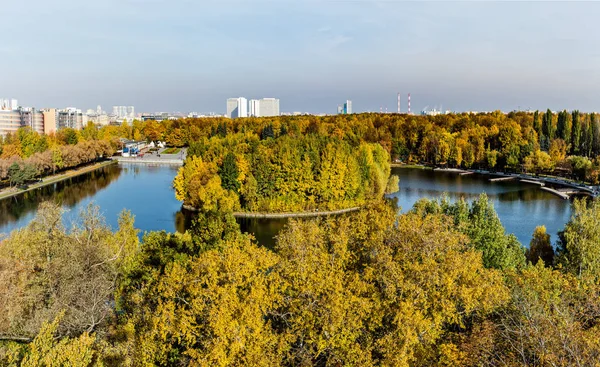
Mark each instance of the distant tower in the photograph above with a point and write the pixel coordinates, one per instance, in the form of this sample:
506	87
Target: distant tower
409	103
380	109
398	102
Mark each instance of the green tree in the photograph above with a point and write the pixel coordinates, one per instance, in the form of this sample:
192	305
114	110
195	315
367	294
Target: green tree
576	133
595	132
229	173
579	246
15	175
267	132
547	129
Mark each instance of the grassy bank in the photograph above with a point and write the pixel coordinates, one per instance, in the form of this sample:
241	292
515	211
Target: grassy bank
403	165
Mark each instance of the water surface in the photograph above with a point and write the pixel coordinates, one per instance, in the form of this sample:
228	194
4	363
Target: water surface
147	192
521	207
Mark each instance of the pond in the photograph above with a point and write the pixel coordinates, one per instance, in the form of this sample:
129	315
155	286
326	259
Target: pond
146	191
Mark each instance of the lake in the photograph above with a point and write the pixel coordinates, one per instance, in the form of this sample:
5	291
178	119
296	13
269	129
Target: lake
146	191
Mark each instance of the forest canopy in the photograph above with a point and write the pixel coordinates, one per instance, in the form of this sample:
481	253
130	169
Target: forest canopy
368	288
284	174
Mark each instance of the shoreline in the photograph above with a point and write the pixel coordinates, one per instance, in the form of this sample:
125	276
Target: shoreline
49	180
284	215
541	181
166	162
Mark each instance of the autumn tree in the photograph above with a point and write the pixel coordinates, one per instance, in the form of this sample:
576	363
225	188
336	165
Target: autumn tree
45	271
540	247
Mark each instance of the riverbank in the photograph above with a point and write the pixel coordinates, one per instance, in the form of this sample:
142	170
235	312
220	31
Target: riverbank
285	215
8	193
412	166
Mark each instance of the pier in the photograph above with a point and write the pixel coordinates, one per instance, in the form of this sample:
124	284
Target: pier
559	187
502	179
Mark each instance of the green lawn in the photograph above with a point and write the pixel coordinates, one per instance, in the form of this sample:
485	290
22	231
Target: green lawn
171	151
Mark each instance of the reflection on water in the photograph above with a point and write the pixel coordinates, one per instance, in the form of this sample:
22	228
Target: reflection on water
147	192
521	207
144	190
67	193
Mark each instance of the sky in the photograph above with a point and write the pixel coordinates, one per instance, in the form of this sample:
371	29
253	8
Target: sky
191	55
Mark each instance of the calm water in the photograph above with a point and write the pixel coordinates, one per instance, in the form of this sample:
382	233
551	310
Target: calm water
146	191
521	207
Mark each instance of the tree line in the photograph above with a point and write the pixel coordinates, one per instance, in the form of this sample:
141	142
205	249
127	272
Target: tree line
441	285
563	143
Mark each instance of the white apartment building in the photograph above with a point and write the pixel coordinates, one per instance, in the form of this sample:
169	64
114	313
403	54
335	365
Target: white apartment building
264	107
122	112
254	108
8	104
237	107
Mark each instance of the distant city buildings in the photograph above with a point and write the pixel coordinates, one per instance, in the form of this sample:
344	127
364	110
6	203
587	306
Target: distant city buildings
265	107
70	117
240	107
8	104
237	107
123	112
12	120
345	109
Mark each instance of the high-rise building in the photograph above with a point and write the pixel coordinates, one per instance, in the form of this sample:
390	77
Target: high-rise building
264	107
269	107
254	108
346	109
237	107
123	112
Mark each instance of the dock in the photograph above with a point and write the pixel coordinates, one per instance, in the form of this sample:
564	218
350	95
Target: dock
151	162
561	194
533	182
497	179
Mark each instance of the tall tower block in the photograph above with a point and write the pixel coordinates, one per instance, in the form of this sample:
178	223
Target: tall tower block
398	102
409	103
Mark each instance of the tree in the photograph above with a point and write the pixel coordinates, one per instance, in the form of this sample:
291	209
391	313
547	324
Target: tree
547	129
595	132
481	224
393	184
575	133
267	132
14	174
45	270
537	126
540	247
579	246
46	350
229	173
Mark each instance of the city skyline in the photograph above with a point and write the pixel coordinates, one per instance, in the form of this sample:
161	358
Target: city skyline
310	54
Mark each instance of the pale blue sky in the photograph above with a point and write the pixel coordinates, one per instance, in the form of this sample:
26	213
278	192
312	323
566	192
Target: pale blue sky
184	55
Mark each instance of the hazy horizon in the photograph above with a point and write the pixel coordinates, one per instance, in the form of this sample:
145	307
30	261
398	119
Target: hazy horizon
313	55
